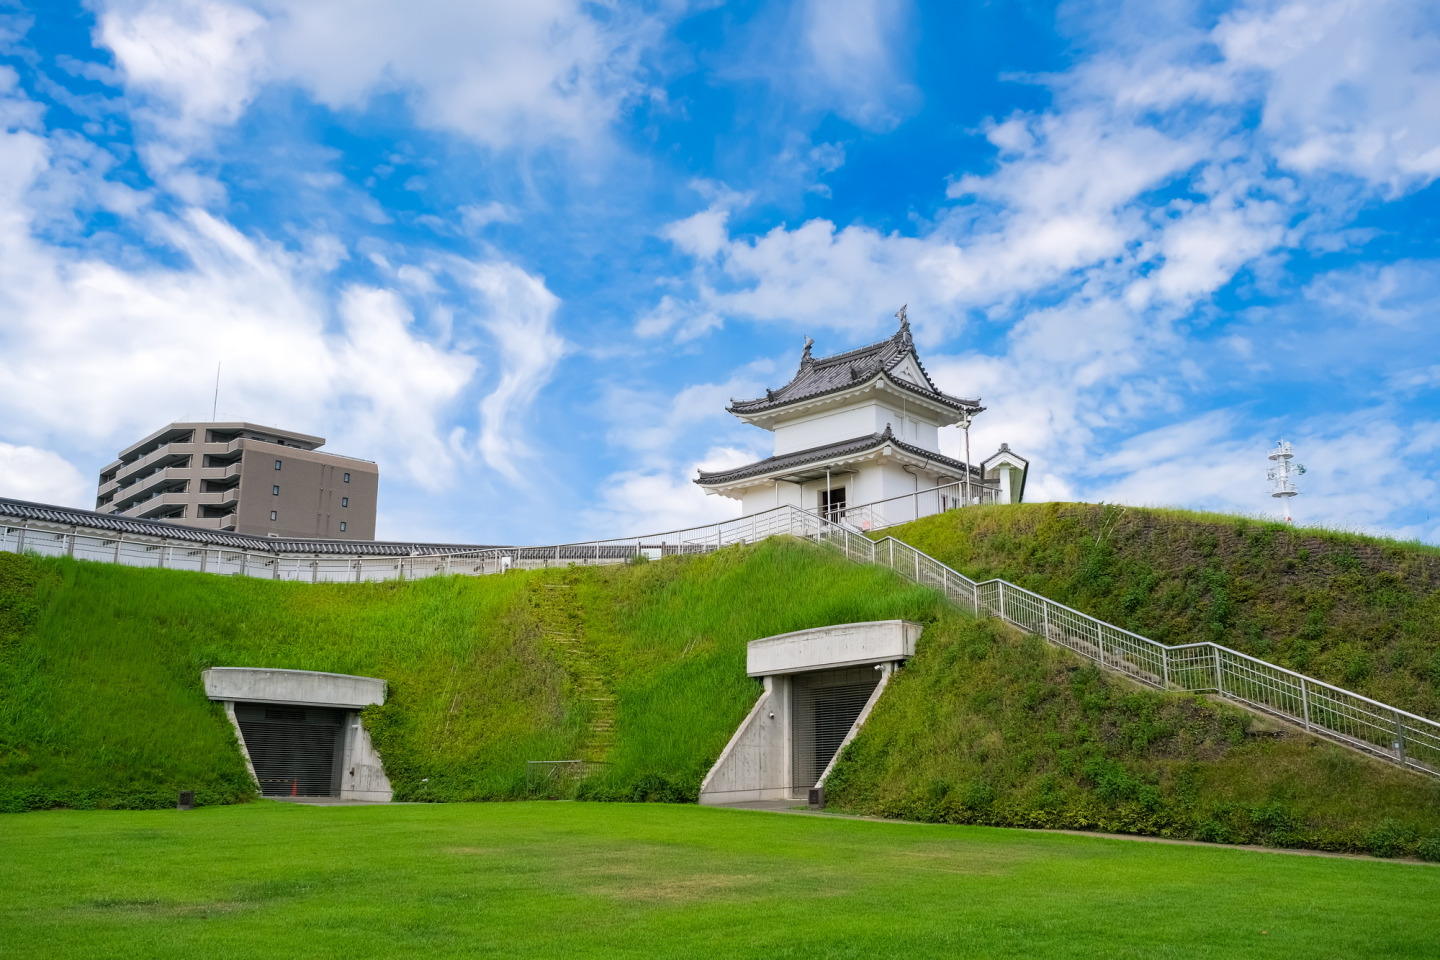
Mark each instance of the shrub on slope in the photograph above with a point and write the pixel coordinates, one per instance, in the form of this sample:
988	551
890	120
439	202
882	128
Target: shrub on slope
989	726
1359	612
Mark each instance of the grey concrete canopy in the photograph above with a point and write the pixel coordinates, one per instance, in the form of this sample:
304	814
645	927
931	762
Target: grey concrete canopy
300	687
826	648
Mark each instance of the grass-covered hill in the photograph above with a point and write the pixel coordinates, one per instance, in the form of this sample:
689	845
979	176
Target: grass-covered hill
1360	612
642	667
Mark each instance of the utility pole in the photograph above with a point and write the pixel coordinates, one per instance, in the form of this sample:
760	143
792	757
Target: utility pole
965	418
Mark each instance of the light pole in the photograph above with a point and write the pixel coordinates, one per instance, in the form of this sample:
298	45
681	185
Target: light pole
965	418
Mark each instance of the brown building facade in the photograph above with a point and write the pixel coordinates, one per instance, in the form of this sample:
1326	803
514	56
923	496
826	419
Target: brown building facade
242	478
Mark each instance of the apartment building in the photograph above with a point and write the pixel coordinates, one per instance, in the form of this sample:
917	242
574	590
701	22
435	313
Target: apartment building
242	478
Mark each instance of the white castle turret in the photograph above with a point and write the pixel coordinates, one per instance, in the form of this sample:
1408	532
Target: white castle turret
860	427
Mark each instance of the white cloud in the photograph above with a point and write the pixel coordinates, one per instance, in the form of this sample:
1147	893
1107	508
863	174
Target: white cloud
101	352
658	500
652	422
1349	86
501	73
521	321
198	62
1361	471
477	216
42	476
855	51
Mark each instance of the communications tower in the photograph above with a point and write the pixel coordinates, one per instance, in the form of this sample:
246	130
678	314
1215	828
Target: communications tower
1281	472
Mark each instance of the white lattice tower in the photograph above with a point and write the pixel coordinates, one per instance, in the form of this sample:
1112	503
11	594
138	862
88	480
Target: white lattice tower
1282	473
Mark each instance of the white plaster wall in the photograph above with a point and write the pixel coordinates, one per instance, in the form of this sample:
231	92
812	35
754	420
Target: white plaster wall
910	423
763	497
868	483
832	426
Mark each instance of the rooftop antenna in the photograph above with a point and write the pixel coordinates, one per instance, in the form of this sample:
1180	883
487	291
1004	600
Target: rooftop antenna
1279	475
216	404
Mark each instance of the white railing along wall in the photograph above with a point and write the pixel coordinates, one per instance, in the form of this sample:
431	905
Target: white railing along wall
905	507
1321	708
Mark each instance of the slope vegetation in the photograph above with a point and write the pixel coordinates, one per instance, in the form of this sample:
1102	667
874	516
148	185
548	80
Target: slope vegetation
1359	612
640	670
989	726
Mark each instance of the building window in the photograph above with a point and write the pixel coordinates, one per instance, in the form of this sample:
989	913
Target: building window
347	478
342	526
344	501
277	464
275	490
273	515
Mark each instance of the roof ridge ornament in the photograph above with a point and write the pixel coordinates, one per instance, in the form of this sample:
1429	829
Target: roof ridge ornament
806	360
902	336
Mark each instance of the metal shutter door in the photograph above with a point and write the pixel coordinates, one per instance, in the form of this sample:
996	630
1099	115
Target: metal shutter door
295	750
825	707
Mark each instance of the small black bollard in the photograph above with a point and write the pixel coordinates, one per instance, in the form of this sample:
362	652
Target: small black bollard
187	800
817	798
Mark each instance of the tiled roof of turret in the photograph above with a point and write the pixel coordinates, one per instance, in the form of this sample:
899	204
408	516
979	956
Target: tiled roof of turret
800	458
845	370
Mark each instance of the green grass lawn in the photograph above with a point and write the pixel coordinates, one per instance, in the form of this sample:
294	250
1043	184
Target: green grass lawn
576	879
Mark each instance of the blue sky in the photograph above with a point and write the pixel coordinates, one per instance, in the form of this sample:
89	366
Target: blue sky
522	254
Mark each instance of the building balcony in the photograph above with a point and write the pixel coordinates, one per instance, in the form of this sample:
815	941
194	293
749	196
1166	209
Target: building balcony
228	472
215	498
226	522
154	458
149	486
159	503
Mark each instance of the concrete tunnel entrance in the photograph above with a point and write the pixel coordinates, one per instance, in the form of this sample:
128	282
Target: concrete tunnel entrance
820	686
300	731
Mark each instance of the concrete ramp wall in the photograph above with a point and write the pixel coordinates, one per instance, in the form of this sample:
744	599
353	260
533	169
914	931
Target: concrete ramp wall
757	762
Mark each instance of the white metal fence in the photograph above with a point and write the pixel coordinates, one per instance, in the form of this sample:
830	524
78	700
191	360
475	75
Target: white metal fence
906	507
1321	708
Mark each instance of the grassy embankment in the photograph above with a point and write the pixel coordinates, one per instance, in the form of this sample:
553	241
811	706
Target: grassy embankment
618	880
984	727
643	667
1360	612
101	703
